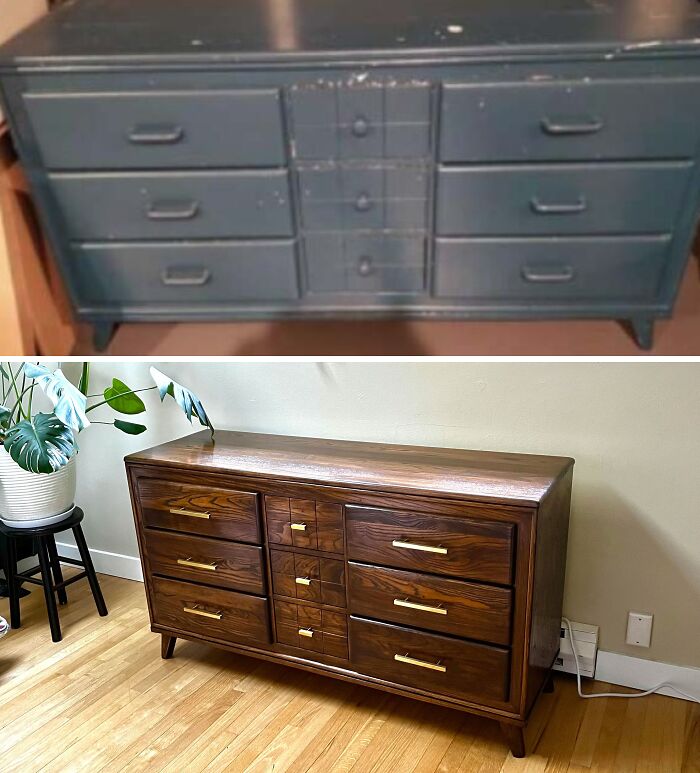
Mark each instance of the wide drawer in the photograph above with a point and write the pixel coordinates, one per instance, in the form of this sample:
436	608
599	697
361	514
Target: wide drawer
174	205
449	606
158	129
304	523
312	628
210	561
426	661
569	120
560	199
187	274
551	270
311	578
211	511
210	612
462	547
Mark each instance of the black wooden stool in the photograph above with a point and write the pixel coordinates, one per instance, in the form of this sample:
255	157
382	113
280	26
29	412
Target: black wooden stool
50	568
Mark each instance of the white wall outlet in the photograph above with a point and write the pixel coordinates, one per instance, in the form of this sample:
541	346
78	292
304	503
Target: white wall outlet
639	629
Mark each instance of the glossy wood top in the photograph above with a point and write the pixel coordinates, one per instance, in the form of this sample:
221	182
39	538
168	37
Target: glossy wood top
241	30
482	476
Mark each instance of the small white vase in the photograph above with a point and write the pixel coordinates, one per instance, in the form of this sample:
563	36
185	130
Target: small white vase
30	499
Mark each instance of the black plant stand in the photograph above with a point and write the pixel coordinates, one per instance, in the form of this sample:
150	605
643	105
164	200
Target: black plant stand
50	568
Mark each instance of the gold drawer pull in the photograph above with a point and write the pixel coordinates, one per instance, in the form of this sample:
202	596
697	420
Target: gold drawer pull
421	663
202	613
415	546
191	513
420	607
196	564
302	581
298	527
308	632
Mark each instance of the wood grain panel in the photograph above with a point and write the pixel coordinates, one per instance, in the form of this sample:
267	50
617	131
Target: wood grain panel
326	631
311	578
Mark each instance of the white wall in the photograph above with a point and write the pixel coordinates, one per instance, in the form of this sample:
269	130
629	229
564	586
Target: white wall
634	430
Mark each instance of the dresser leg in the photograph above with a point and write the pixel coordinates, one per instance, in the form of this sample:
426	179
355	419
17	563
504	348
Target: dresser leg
102	334
515	738
167	645
642	330
549	684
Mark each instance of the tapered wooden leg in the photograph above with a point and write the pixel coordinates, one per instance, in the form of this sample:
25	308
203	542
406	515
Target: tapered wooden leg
102	335
549	684
56	569
642	330
515	738
167	645
47	581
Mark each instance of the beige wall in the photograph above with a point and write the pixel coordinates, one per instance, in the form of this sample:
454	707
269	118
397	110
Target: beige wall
634	430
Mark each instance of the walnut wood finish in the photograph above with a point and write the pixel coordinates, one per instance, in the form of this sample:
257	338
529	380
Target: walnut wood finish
311	578
311	628
459	608
304	523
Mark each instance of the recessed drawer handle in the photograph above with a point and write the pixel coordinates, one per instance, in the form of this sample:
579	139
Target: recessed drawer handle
415	546
196	564
420	607
298	527
421	663
541	208
302	580
172	210
185	277
191	513
561	127
308	632
565	274
202	613
155	134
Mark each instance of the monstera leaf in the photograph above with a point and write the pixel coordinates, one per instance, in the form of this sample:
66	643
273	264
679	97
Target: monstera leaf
41	444
68	401
188	401
121	398
5	414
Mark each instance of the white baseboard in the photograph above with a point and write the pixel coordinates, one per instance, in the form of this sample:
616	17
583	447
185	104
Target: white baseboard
116	564
643	674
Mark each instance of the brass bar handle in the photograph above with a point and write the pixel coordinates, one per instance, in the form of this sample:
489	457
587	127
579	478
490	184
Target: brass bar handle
196	564
302	580
308	632
202	613
420	607
191	513
561	126
397	543
421	663
155	134
298	527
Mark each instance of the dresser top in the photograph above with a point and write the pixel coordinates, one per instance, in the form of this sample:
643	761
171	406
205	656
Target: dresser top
485	476
138	31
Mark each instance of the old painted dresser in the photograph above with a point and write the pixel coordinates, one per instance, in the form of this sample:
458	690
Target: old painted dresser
296	158
428	572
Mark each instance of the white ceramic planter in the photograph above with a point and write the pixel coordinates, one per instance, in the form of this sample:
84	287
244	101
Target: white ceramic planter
31	499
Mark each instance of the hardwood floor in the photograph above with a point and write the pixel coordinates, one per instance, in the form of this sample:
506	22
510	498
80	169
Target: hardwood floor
103	699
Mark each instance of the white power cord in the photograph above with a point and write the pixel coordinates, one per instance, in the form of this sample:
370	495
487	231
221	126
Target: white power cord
668	685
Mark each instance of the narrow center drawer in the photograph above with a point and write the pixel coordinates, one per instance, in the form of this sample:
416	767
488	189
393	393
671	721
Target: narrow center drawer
449	606
304	523
210	612
461	547
210	561
200	509
312	628
311	578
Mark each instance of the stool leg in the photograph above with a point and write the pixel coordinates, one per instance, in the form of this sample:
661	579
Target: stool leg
89	569
12	584
47	581
56	569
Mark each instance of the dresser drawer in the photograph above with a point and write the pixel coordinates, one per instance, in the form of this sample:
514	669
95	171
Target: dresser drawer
569	120
312	628
462	547
184	273
426	661
210	561
199	509
551	270
158	130
311	578
449	606
174	205
561	199
304	523
210	612
373	263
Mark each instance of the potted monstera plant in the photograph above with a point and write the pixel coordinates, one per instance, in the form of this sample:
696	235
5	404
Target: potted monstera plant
37	455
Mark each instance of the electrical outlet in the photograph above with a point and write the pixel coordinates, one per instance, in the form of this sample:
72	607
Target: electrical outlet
639	629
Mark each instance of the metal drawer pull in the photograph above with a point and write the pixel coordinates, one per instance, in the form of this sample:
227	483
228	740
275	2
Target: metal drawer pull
308	632
172	210
363	203
564	274
541	208
185	277
414	546
420	607
364	266
298	527
421	663
196	564
560	128
191	513
302	580
155	134
360	126
202	613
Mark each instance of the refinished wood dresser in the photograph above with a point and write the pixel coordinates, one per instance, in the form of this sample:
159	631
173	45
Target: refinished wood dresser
432	573
298	158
